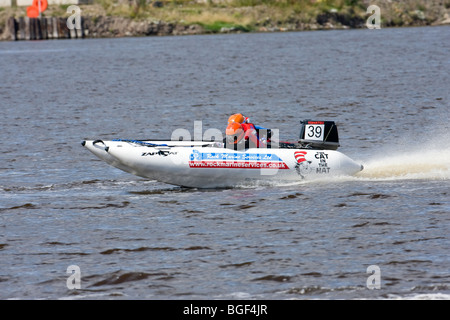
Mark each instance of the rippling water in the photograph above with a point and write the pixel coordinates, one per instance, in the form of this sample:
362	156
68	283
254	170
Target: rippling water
387	89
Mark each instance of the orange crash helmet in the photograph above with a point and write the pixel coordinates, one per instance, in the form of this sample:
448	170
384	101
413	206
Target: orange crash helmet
234	133
237	117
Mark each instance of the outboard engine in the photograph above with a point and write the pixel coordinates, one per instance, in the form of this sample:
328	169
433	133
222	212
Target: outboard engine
319	135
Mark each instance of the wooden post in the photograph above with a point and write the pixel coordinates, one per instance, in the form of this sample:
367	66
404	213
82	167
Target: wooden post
27	29
21	33
55	28
37	27
80	32
72	33
62	29
43	22
67	31
33	31
58	28
49	28
12	26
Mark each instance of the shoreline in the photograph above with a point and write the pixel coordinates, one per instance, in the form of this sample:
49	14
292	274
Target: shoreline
110	22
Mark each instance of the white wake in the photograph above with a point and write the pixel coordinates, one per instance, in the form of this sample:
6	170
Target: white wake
430	164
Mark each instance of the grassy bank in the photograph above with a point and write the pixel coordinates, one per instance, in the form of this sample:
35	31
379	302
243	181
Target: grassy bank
256	15
251	14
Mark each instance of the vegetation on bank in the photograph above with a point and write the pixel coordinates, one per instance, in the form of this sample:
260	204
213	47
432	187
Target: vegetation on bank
257	15
241	14
251	14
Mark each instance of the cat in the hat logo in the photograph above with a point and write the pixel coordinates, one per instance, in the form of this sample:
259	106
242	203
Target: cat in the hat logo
300	156
303	166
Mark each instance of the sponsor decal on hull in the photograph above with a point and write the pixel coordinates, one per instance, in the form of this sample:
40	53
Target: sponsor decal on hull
235	160
238	164
323	165
157	153
303	166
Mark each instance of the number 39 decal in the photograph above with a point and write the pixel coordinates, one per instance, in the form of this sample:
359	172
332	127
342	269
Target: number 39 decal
314	132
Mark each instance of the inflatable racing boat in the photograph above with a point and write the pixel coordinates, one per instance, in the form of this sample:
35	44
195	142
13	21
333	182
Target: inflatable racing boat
214	164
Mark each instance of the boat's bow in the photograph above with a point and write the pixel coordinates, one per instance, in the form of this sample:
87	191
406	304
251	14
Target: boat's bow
100	149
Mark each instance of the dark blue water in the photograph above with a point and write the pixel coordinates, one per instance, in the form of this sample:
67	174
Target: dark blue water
387	89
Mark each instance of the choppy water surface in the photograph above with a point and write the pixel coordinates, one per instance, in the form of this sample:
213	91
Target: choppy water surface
387	89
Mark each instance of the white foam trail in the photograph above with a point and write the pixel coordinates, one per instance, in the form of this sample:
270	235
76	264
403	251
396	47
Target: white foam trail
424	296
419	164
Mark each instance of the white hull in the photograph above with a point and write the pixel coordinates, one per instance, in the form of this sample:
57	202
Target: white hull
194	164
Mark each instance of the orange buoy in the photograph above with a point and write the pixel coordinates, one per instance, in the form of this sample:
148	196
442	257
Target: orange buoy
33	10
44	4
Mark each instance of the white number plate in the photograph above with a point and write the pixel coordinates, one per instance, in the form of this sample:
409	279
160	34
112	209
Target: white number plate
314	132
